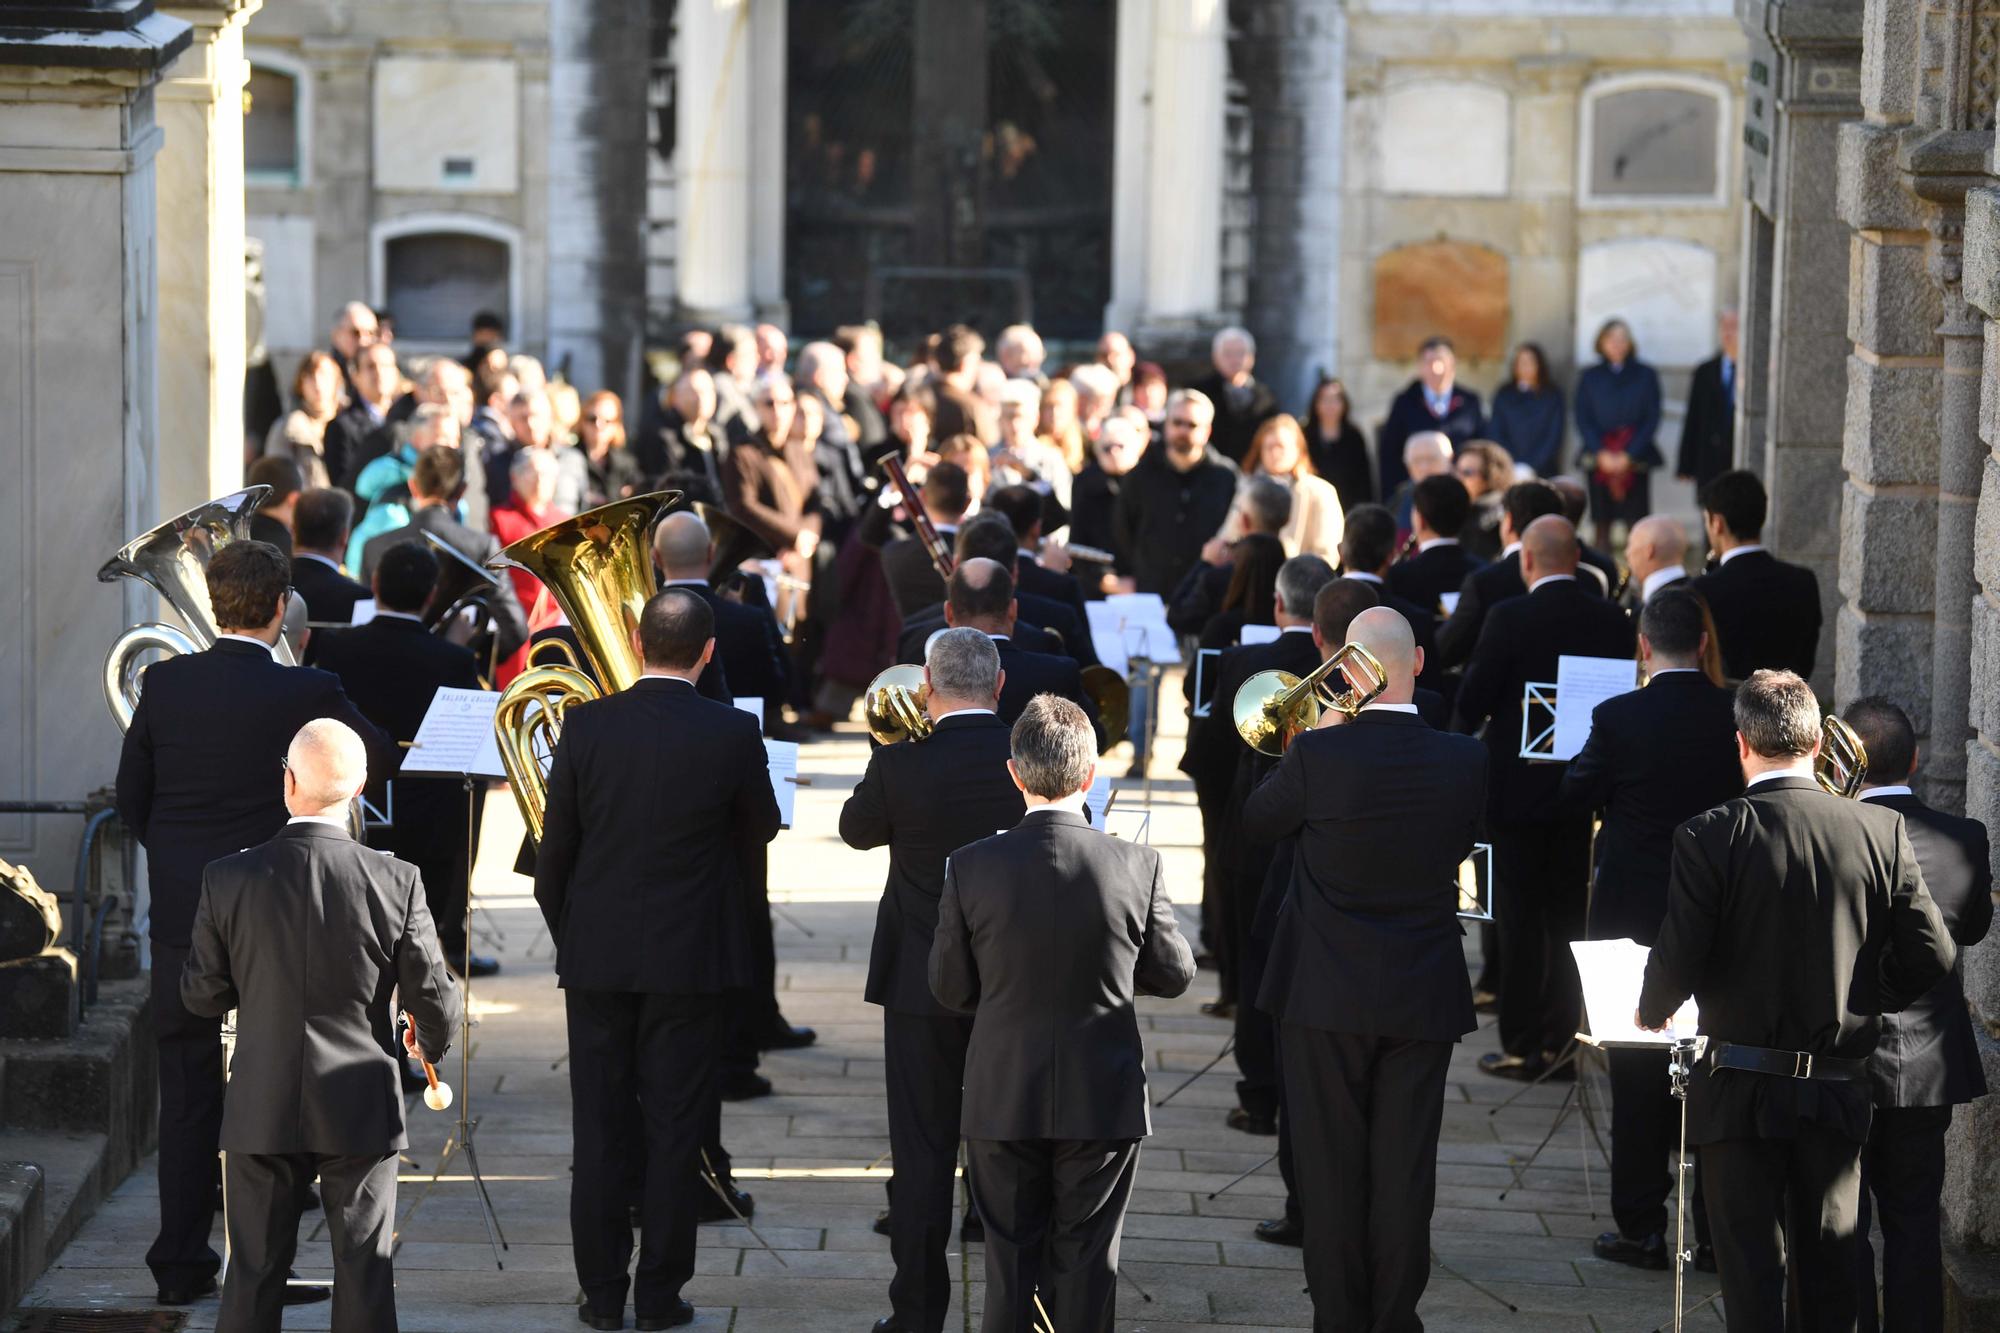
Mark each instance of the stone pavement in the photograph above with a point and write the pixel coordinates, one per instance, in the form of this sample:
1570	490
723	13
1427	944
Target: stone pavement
813	1154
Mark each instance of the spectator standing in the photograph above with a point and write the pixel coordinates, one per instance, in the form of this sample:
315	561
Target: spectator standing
1021	456
1339	451
1486	470
612	470
690	445
1425	454
733	362
493	389
301	433
1617	417
1241	402
959	408
1094	501
1433	401
354	328
1528	417
1020	353
1060	427
1708	435
1279	450
362	429
1176	498
535	428
1115	354
773	349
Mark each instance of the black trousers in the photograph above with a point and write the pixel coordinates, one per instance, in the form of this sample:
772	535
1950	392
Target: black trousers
430	833
1785	1204
1645	1140
924	1066
359	1196
1541	887
1902	1167
659	1049
1054	1210
1256	1033
190	1049
1288	1162
756	1010
1367	1171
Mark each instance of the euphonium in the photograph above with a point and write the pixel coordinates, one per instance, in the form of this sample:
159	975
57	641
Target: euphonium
1274	706
599	568
1842	764
172	560
893	705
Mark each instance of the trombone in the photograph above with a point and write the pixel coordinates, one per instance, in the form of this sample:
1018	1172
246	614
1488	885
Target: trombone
1842	764
1272	707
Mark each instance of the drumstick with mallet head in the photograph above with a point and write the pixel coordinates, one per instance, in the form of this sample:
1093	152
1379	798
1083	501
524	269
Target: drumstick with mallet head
437	1096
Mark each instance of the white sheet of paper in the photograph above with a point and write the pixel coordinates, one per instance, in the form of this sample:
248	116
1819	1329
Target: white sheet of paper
364	611
1205	662
456	736
1582	683
1259	634
1613	972
1107	634
1449	601
751	705
1147	612
783	757
1097	798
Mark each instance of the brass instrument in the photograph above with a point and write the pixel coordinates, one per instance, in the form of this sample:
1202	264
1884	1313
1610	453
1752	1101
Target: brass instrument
1842	763
599	568
1274	706
172	559
927	532
893	705
1112	694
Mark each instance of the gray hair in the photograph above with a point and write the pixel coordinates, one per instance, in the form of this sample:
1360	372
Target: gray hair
1299	582
1193	398
1023	394
1020	338
1095	380
1223	337
1053	747
1267	503
1426	439
963	664
1778	715
814	356
538	461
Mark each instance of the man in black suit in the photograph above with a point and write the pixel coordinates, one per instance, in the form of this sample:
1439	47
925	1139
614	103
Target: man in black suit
1655	758
982	598
272	521
1656	553
1021	506
362	430
925	800
1927	1058
1708	433
1794	918
435	485
1367	546
1766	611
1540	854
1367	978
1053	928
392	667
657	798
1434	400
914	582
1439	509
194	784
321	522
1491	584
991	536
329	1105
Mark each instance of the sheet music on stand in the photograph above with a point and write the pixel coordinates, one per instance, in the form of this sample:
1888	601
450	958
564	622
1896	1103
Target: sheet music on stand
783	757
1613	971
456	736
1255	634
1131	626
1582	683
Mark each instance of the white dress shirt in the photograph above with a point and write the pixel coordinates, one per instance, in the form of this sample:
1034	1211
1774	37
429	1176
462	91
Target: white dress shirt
962	712
1658	579
1551	578
1735	551
246	638
1805	772
331	821
1411	709
1073	804
1893	789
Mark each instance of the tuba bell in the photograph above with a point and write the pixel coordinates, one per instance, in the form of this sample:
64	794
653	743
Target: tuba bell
893	705
172	560
1842	764
1274	706
599	568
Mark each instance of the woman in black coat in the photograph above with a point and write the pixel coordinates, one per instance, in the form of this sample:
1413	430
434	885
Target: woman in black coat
1338	451
1527	418
1617	417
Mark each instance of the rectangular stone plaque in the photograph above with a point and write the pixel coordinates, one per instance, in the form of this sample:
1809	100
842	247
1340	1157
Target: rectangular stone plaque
1761	83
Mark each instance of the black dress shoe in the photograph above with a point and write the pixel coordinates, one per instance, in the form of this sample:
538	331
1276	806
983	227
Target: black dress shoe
971	1230
682	1313
713	1209
1282	1231
1639	1252
888	1323
597	1319
785	1037
479	967
1517	1067
187	1295
743	1087
881	1226
1252	1122
1704	1259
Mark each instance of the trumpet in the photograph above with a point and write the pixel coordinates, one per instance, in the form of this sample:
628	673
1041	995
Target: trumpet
893	705
1274	706
1842	764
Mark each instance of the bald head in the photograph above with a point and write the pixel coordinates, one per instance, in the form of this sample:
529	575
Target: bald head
1548	547
680	546
1656	543
980	596
1384	633
324	768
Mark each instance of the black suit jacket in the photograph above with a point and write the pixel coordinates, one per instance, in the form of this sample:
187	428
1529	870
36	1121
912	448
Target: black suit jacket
1385	809
1409	412
1055	601
659	805
1029	674
925	800
1927	1054
1213	745
1708	434
918	629
199	775
1655	759
751	649
1794	918
1045	934
264	528
1520	642
1766	614
510	622
305	936
913	580
1427	575
1483	589
330	595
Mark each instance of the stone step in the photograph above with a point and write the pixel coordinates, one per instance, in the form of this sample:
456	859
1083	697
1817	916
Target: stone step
50	1184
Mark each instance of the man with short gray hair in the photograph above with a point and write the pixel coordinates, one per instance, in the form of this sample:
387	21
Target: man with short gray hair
1045	935
924	800
1795	918
1242	402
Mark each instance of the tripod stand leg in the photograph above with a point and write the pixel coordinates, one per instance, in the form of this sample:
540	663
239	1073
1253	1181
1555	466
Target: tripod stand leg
1494	1296
494	1236
1188	1082
1244	1175
1567	1056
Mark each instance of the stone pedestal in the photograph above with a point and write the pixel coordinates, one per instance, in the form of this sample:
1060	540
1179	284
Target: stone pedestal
78	332
200	170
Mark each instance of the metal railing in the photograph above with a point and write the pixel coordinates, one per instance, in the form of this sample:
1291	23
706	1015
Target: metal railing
85	934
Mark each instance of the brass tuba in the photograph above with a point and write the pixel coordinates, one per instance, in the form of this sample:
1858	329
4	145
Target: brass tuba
1842	764
172	559
599	568
1274	706
893	705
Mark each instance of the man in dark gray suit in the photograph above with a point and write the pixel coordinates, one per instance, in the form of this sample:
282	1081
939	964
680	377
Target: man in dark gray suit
316	1092
1045	934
